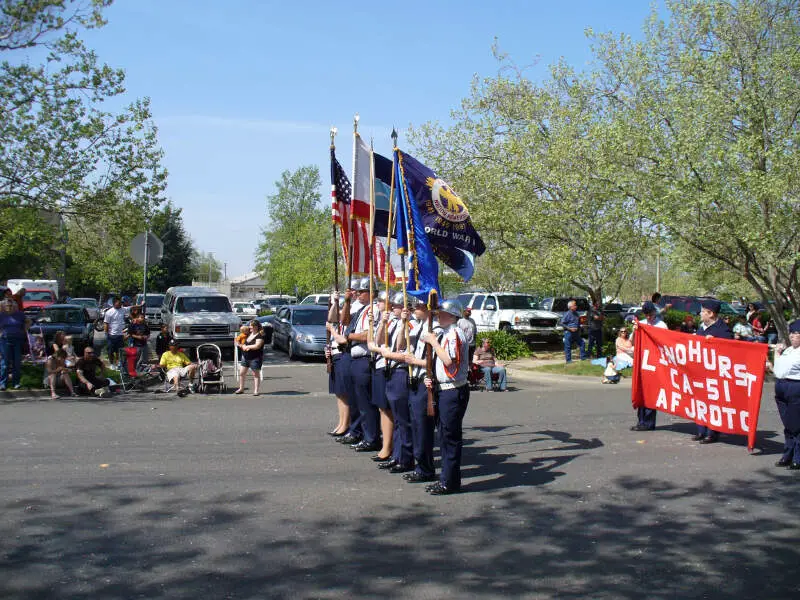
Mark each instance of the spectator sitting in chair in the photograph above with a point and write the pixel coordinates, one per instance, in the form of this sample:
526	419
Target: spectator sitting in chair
178	365
484	358
742	330
90	370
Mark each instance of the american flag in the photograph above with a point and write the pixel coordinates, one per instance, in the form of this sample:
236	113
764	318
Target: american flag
341	194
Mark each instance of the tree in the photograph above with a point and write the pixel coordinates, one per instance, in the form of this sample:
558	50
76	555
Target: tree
534	167
206	268
708	109
59	151
177	266
295	252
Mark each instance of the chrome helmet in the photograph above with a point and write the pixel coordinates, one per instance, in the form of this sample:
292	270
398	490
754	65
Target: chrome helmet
363	285
354	283
398	299
382	296
452	307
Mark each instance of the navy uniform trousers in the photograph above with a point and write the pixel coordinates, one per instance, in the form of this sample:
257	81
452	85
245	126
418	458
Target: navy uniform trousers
343	368
361	375
787	397
647	417
397	395
452	407
422	427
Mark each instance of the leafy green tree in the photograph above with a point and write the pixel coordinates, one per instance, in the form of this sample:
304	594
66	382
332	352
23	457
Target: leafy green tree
177	264
60	152
295	252
206	268
532	164
707	128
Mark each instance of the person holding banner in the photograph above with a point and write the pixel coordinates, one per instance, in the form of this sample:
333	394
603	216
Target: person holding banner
647	416
787	396
711	326
451	358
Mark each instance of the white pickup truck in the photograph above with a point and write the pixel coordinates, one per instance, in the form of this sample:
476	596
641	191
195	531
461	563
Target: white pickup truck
246	311
496	311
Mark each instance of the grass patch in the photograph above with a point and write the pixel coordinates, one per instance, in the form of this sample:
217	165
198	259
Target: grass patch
31	377
582	367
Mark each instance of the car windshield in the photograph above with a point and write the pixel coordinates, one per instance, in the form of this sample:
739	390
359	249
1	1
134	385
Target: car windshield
39	296
309	317
154	301
91	302
516	302
560	304
62	315
193	304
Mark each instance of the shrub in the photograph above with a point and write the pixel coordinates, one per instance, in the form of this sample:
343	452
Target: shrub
674	318
507	346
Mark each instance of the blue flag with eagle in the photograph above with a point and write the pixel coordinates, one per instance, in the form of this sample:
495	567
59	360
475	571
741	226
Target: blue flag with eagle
443	216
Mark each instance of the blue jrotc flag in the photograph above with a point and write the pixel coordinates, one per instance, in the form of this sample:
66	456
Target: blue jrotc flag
442	216
423	273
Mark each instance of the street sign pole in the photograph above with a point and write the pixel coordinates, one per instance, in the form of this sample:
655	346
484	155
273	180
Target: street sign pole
146	253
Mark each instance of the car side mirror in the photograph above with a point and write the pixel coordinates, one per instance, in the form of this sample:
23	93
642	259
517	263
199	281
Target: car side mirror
490	307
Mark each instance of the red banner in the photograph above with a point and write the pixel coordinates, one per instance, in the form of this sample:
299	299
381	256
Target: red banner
711	381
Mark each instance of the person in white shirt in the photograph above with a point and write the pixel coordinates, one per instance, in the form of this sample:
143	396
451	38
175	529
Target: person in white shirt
786	368
114	326
647	416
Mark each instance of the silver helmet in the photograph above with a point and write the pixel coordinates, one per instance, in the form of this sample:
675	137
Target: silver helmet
452	307
382	295
398	299
354	283
363	284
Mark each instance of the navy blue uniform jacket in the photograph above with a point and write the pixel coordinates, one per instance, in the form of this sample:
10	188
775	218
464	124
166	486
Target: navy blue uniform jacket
718	330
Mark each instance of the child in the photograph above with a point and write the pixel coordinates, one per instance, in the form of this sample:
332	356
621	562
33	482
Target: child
244	331
610	375
161	341
71	359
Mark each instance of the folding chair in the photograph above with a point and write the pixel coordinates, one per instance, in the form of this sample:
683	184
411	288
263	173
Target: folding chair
136	374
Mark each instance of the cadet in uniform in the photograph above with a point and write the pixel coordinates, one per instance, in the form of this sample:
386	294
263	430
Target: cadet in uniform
379	379
422	425
647	416
711	326
397	388
451	361
361	372
787	396
338	378
350	309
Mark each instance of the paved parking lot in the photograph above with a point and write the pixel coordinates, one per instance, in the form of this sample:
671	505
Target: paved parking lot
148	496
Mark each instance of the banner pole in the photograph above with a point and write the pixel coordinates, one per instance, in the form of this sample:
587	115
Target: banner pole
370	331
352	198
329	358
389	239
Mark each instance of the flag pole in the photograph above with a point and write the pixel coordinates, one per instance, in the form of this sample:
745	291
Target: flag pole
389	240
371	241
329	358
352	198
402	254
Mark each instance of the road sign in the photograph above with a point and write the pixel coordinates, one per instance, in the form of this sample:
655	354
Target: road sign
139	249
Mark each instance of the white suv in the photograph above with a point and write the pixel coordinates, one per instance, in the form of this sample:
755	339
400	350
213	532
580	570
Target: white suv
495	311
198	315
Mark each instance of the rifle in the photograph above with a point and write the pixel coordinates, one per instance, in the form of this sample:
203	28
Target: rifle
432	306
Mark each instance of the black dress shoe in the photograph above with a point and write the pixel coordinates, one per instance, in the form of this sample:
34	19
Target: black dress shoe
640	428
398	468
708	440
783	462
365	447
697	438
348	439
417	477
794	466
387	465
336	434
379	458
437	489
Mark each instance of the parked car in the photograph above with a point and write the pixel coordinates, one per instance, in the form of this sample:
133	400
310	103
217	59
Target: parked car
267	323
274	301
199	315
72	319
613	309
300	330
322	299
691	304
152	309
90	304
35	299
246	311
558	305
516	313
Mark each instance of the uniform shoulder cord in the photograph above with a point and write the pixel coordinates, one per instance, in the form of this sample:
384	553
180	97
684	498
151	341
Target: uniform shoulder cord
456	360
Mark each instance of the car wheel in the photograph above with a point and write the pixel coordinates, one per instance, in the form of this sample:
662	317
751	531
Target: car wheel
290	350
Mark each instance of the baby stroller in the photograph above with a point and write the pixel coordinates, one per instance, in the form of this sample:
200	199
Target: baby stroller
209	359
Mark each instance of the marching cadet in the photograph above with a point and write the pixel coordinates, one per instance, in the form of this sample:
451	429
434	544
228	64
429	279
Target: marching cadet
422	425
338	383
379	399
451	362
360	371
711	326
349	309
647	416
787	396
397	388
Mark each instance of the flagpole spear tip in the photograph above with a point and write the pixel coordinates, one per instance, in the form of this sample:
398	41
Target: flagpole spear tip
356	118
334	131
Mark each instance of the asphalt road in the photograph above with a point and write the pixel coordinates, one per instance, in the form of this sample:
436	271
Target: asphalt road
149	496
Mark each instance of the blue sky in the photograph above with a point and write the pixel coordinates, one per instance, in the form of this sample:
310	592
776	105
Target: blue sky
244	90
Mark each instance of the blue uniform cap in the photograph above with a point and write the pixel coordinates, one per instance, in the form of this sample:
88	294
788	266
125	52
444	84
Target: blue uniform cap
794	326
648	307
712	305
